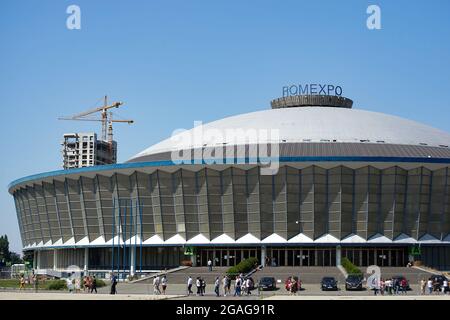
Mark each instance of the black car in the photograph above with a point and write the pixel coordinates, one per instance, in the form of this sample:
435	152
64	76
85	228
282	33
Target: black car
328	283
267	283
353	282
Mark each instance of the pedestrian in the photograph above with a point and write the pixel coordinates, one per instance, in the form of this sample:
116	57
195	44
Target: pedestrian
396	285
430	286
209	265
113	284
189	286
94	285
70	284
388	286
228	285
156	283
249	285
404	285
225	285
423	285
198	284
445	286
22	282
77	285
35	282
203	284
164	284
293	286
237	286
382	286
217	287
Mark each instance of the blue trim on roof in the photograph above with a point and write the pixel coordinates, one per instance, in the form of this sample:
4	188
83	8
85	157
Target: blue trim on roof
229	161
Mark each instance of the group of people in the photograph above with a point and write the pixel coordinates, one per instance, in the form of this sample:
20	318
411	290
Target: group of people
89	284
391	286
292	285
433	285
159	284
200	283
241	285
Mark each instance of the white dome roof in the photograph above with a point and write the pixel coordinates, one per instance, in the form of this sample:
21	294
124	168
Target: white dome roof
310	124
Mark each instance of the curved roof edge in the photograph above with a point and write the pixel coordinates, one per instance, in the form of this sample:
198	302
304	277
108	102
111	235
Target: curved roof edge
236	161
224	239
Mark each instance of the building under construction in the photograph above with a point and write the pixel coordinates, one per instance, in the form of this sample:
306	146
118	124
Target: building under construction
85	150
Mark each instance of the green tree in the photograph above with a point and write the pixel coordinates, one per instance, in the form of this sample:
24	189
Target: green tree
15	258
28	258
5	255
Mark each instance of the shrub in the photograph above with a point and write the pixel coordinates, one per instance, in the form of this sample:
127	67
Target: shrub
349	267
56	285
244	266
100	283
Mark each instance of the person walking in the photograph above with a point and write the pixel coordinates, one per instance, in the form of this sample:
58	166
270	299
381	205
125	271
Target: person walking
404	285
156	283
189	286
249	285
164	284
70	284
228	285
77	285
203	285
224	286
35	282
388	286
422	286
430	286
445	286
113	284
22	282
209	265
237	286
217	287
198	284
94	285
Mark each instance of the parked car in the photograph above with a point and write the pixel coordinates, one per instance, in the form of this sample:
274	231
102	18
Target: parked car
328	283
267	283
353	282
398	279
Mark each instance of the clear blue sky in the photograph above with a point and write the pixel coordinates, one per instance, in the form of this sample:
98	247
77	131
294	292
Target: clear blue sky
173	62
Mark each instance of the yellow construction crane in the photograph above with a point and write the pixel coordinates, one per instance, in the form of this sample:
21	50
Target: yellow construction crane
106	118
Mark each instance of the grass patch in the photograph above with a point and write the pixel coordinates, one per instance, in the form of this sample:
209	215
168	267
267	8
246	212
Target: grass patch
42	285
244	266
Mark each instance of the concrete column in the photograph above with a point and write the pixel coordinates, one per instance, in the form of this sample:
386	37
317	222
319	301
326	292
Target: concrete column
194	259
35	259
38	263
55	259
263	256
86	260
132	260
338	256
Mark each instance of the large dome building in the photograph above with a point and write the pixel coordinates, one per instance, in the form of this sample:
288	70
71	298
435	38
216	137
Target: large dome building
342	182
